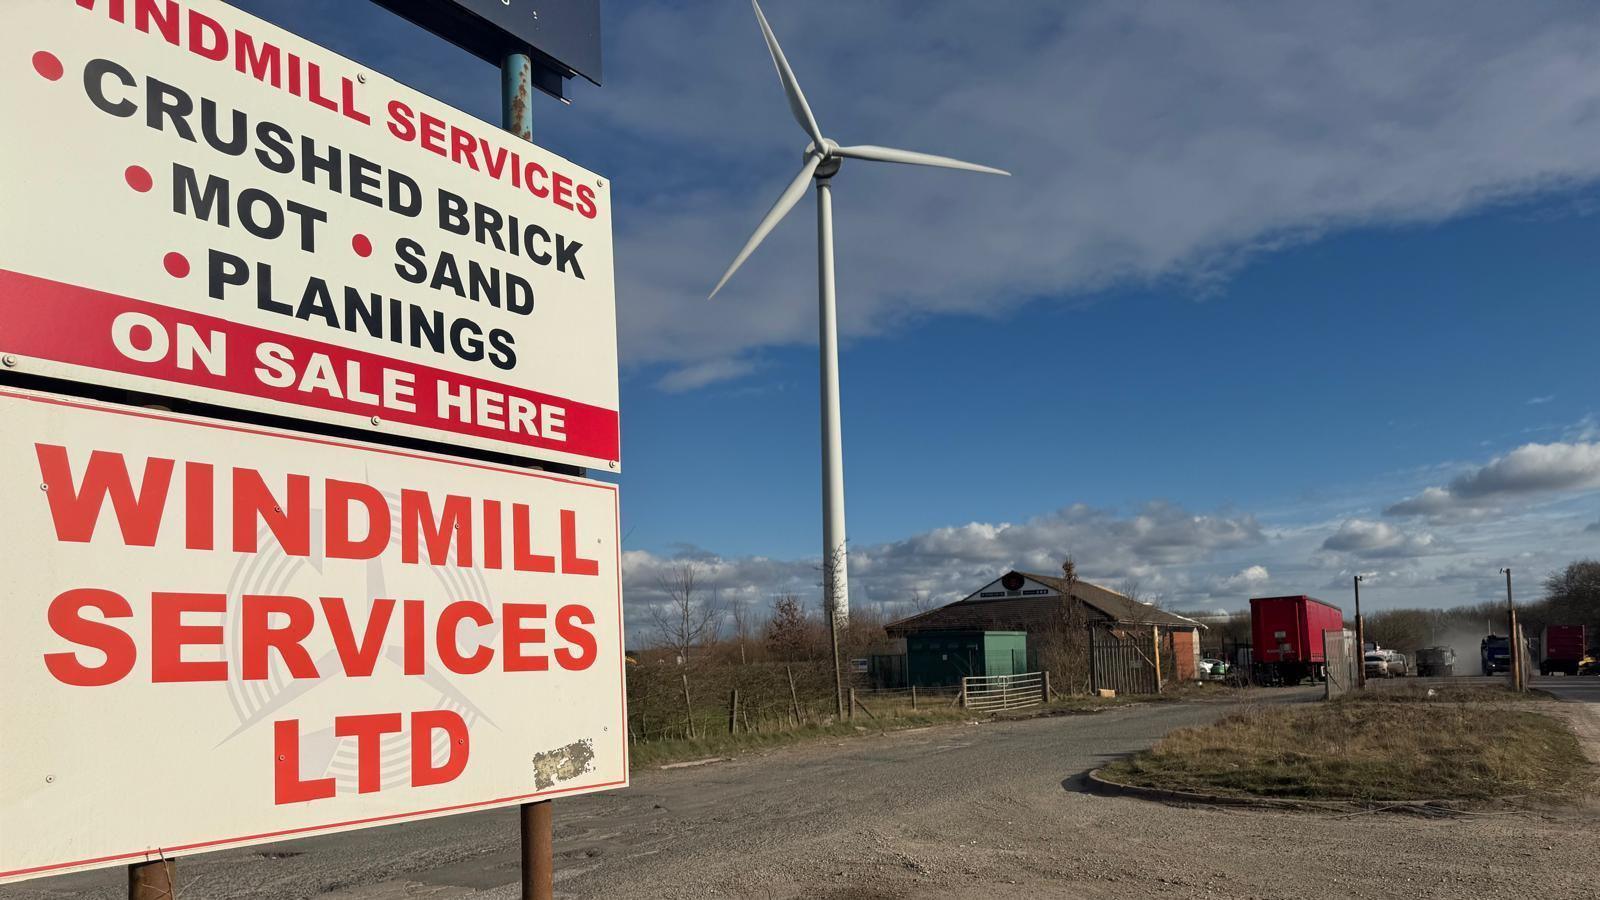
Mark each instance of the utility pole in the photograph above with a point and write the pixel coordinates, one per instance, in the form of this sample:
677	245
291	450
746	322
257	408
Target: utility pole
1361	638
537	825
1513	643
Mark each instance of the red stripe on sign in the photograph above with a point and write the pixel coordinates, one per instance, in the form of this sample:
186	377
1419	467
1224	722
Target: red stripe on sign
73	325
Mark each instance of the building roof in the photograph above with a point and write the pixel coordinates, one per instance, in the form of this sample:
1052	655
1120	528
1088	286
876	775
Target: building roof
1031	607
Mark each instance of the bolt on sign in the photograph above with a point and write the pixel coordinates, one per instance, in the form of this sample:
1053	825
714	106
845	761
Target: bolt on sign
210	208
225	635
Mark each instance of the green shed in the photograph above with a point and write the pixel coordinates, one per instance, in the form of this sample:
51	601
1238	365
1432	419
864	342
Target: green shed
941	658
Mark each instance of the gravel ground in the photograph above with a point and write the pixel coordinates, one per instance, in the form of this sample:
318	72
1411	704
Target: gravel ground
953	811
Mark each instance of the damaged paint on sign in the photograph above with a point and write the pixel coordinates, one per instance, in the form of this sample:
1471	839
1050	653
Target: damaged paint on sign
562	763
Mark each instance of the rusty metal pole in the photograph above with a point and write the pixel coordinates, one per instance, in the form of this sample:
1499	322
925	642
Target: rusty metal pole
153	880
538	837
538	849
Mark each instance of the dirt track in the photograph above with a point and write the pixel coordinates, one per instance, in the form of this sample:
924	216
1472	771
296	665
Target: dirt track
956	811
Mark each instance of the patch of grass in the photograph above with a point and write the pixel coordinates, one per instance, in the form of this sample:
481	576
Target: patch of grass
1406	692
649	754
1386	745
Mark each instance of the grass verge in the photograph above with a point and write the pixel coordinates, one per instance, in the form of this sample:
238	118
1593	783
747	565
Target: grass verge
649	754
1378	745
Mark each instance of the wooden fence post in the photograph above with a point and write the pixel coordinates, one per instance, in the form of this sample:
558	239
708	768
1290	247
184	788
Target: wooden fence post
852	712
733	712
1047	691
913	698
794	699
1155	642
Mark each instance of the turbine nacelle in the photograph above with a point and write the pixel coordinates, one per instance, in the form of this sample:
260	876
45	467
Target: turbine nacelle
823	156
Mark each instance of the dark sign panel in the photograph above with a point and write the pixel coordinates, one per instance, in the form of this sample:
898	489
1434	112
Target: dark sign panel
560	35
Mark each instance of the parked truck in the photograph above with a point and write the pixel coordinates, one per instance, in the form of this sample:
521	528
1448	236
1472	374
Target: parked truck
1496	652
1287	638
1563	648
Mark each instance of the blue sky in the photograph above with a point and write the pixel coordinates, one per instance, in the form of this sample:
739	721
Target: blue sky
1278	293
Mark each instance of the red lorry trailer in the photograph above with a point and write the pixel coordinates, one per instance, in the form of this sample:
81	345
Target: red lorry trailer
1286	634
1564	648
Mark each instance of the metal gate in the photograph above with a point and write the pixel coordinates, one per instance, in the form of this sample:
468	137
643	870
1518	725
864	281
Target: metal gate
1121	663
995	692
1343	657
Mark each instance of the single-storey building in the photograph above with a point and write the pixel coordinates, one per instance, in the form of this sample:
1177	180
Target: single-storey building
986	632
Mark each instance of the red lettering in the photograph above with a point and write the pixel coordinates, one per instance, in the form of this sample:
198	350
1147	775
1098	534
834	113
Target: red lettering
563	190
289	522
463	146
260	62
454	524
400	124
368	732
568	622
286	784
260	636
432	133
527	176
571	562
423	724
449	645
360	659
206	37
586	205
199	510
75	509
339	543
516	634
522	557
411	621
168	637
66	620
165	16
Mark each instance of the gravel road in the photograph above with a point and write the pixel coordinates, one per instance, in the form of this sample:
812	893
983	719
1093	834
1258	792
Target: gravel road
954	811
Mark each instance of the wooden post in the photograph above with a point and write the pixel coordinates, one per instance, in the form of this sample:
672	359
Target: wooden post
153	880
913	698
1047	691
794	699
733	712
1155	644
688	707
538	856
1517	676
852	712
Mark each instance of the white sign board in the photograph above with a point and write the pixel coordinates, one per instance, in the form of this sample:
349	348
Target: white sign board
219	635
196	204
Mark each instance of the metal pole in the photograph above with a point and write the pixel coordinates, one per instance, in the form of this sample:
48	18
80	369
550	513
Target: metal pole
153	880
1511	639
538	838
538	841
833	533
1361	640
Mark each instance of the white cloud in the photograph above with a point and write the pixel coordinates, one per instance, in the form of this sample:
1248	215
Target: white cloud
1247	580
1372	540
1149	141
1540	401
1529	471
695	375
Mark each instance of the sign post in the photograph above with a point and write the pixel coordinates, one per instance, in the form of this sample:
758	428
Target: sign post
536	819
328	633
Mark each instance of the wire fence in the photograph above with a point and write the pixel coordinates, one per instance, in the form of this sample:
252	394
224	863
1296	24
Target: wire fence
667	701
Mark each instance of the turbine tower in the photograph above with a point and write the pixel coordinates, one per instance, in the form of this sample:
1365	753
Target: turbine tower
821	162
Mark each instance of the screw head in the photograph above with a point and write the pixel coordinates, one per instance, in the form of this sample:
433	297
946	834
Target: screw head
613	464
9	360
44	487
49	779
361	77
376	421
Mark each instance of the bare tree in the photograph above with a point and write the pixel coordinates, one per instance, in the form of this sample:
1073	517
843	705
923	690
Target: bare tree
920	601
788	631
1064	639
687	619
743	618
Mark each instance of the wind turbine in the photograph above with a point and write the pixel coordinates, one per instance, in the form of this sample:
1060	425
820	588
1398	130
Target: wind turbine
821	162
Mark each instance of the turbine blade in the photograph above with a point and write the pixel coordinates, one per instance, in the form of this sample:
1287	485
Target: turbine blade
912	158
791	85
786	202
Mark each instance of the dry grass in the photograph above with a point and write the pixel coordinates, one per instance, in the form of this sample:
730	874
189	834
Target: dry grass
1382	745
